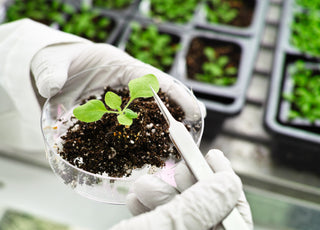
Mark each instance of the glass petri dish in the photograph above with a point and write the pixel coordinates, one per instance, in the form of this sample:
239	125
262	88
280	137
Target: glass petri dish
55	121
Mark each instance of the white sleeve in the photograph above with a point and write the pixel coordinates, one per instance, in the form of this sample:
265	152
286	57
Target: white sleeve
19	108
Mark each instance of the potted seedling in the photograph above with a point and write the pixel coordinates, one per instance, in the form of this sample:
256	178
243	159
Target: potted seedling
45	11
310	4
240	17
304	28
171	11
90	24
224	12
125	8
101	141
301	105
213	68
217	70
151	46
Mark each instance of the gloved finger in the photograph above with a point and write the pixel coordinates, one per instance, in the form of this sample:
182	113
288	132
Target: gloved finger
215	158
151	191
244	209
219	163
134	205
200	207
183	177
50	66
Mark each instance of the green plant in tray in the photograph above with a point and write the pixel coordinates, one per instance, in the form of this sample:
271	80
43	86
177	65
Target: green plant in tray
220	11
306	31
44	11
177	11
311	4
114	4
305	97
217	70
93	110
151	46
88	23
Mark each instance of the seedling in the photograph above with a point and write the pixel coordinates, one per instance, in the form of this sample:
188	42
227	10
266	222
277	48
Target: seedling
305	97
305	28
220	11
44	11
217	70
115	4
93	110
151	46
310	4
173	10
88	23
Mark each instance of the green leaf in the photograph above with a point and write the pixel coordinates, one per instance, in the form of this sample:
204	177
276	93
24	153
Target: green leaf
93	110
113	100
130	114
124	120
140	87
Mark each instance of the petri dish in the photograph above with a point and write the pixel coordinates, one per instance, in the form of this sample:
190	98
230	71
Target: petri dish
55	121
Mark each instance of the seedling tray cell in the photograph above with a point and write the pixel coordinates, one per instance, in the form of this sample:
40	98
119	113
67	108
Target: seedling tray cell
125	12
144	10
162	29
290	16
228	100
254	8
288	87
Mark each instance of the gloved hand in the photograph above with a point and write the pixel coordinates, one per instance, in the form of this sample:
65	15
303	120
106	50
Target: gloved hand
52	65
190	205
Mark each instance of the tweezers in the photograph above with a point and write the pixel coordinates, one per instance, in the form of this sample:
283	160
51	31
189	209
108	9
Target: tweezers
194	159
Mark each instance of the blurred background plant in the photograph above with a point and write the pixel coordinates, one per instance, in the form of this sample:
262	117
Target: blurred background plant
114	4
305	97
88	23
151	46
305	31
44	11
217	70
177	11
311	4
220	11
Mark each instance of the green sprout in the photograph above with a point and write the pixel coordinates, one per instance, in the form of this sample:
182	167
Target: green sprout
93	110
216	70
43	11
88	23
220	11
178	11
305	30
305	97
151	46
114	4
311	4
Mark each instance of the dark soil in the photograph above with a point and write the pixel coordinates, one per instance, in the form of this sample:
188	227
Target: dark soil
106	146
245	11
196	57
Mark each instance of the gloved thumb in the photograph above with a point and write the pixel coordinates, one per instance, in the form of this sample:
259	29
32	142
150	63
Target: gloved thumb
51	64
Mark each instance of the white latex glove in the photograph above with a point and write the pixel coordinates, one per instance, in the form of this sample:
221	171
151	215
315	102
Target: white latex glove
200	205
52	65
